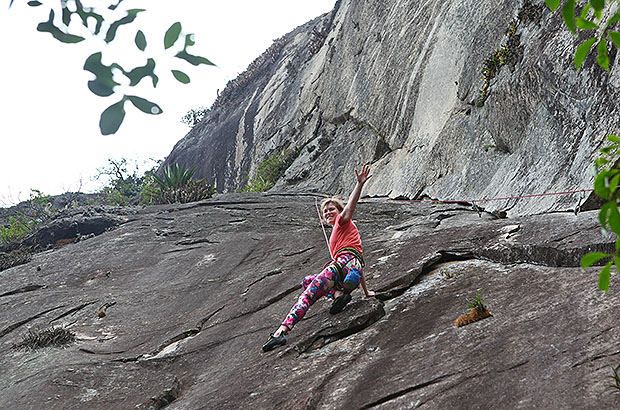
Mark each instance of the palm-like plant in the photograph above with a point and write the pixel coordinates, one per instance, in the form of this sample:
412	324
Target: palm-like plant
176	185
174	177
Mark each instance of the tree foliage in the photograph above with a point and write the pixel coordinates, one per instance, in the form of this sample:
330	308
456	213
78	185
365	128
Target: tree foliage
599	16
596	17
67	22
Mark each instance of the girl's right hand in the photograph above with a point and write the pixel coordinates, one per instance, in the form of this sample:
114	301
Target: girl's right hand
364	175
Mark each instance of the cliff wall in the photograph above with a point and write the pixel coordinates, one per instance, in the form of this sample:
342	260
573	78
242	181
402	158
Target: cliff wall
397	84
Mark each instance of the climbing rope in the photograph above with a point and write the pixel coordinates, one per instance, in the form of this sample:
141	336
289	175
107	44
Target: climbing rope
318	211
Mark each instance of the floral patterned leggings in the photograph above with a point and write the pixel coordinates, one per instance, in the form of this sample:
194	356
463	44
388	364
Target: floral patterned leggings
317	286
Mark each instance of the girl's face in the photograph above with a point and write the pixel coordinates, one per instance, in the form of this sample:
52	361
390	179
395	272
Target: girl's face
330	212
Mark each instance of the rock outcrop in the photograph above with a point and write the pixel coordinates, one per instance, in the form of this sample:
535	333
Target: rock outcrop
397	84
172	306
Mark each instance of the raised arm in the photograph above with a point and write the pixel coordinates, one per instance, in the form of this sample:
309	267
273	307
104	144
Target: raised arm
349	209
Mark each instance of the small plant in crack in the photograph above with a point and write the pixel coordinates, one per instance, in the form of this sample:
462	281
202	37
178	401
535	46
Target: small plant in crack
446	273
477	302
478	311
53	336
615	385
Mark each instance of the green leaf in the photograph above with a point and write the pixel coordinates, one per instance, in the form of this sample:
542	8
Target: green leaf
602	59
615	37
591	258
553	4
114	6
181	76
598	5
189	41
49	27
103	85
603	277
585	24
172	35
32	3
112	118
194	60
613	184
602	214
613	138
618	245
614	19
582	52
145	105
614	218
568	13
137	74
66	15
86	15
584	11
140	40
129	18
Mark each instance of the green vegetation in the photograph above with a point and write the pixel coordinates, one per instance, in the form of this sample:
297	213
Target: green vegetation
606	187
102	22
494	62
124	187
194	116
53	336
270	170
446	273
477	302
37	209
590	19
177	185
615	386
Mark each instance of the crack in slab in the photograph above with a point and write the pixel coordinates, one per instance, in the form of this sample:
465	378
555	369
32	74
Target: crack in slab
265	276
166	397
195	241
181	250
403	392
14	326
357	325
298	252
23	289
175	339
71	311
594	358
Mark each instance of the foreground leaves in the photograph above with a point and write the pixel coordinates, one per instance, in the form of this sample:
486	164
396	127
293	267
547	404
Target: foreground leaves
103	23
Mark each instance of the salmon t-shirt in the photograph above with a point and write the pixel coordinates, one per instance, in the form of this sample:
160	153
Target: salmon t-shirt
344	235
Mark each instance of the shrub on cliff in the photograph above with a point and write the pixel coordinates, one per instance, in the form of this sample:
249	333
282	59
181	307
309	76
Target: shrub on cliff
34	212
270	170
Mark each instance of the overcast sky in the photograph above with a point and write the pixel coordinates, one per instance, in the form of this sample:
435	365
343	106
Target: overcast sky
50	138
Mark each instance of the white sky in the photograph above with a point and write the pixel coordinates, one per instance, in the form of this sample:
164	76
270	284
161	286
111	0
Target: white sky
49	132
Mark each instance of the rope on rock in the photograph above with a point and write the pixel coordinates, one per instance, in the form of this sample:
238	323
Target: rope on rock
479	209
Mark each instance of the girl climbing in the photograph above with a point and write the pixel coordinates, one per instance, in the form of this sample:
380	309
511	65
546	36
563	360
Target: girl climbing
342	274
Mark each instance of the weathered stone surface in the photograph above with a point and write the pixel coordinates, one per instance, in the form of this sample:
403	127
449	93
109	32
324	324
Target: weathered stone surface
395	84
190	293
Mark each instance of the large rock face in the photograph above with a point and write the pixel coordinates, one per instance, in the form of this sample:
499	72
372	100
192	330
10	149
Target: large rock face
190	292
397	84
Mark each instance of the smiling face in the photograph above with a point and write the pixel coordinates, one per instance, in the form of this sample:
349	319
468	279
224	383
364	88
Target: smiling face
330	212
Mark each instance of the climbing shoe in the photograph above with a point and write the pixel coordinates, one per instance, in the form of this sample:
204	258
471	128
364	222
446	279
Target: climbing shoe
340	303
274	342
